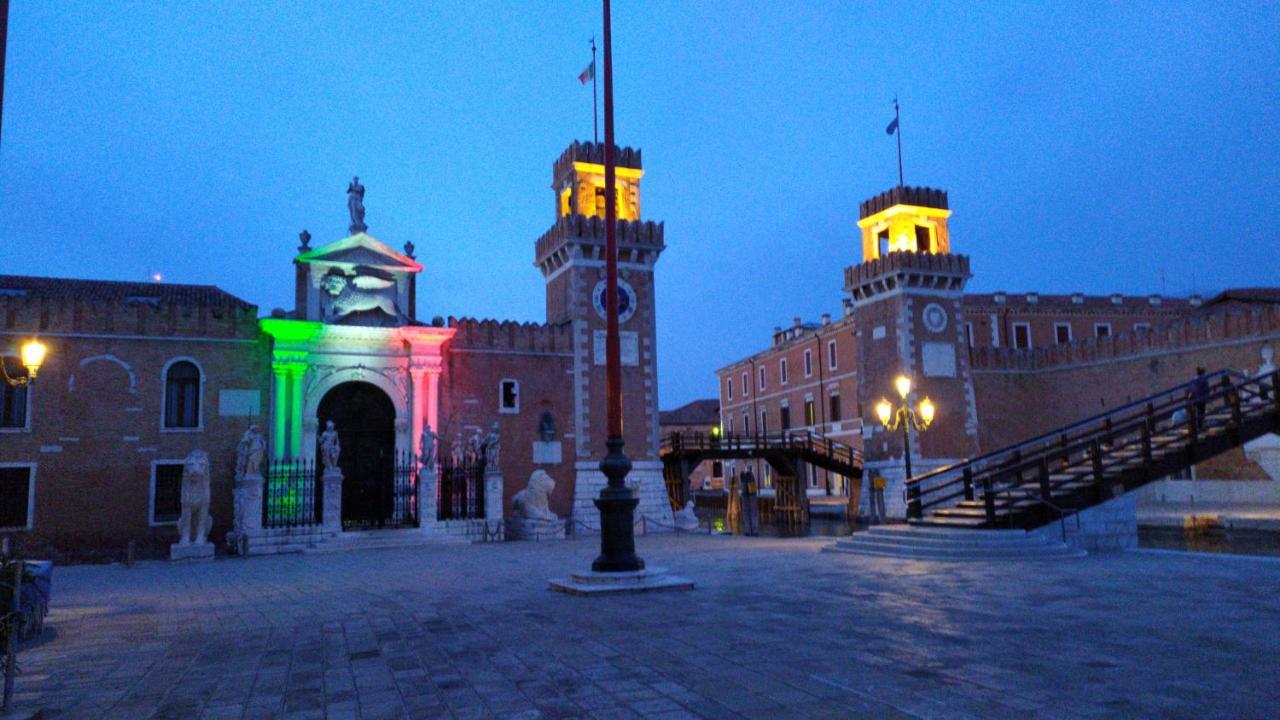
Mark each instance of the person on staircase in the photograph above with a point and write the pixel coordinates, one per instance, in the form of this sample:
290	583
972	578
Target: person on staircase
1199	395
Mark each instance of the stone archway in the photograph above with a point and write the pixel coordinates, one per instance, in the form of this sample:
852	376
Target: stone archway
365	418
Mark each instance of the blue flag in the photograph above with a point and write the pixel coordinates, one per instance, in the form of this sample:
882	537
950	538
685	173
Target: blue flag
893	126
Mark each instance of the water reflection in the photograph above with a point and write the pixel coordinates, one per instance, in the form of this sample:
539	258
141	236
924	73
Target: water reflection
1210	540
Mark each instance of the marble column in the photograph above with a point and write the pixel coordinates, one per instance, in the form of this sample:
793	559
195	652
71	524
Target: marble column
280	410
296	373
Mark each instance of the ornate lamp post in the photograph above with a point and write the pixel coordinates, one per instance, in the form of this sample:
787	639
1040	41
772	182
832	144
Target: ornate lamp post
906	417
33	352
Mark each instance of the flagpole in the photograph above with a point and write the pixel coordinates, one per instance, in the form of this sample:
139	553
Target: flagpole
897	128
617	504
595	112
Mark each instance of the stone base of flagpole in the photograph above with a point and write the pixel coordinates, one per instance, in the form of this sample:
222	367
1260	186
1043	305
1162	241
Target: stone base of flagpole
618	569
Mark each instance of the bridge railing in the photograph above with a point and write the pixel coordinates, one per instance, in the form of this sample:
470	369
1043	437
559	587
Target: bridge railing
1135	426
795	440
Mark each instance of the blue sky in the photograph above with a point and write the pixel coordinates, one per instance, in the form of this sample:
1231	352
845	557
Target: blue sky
1093	147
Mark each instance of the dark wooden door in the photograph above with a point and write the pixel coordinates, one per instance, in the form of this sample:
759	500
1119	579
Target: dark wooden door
365	419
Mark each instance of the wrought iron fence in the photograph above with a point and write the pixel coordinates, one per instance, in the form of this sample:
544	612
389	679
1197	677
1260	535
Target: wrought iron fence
404	491
292	494
461	488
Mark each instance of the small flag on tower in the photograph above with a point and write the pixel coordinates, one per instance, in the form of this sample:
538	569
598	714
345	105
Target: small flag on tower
589	74
893	126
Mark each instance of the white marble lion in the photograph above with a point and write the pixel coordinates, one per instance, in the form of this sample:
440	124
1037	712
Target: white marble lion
363	292
195	522
532	501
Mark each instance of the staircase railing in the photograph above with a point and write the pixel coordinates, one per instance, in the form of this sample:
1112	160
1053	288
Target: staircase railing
1133	427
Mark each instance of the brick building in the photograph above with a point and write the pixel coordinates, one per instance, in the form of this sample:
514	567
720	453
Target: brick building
139	375
1000	367
699	416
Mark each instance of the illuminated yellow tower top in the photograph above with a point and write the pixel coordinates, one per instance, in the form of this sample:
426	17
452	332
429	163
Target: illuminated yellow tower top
578	180
905	219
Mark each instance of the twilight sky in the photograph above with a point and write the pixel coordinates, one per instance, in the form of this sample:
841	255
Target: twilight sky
1094	147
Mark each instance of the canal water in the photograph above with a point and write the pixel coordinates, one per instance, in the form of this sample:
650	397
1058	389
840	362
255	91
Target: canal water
1214	540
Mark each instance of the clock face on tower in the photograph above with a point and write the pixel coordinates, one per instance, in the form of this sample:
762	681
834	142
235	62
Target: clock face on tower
935	318
626	300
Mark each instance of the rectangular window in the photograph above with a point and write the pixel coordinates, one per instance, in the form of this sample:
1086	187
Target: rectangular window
882	243
1142	327
762	377
809	418
764	420
1102	330
1062	333
166	491
746	423
808	363
782	371
717	469
786	417
728	428
835	408
922	239
509	397
13	400
968	334
831	354
745	384
17	496
1021	335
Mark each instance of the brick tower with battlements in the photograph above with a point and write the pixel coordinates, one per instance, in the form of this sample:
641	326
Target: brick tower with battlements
907	301
571	256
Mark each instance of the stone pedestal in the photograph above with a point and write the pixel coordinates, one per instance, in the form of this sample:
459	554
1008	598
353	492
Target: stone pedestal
194	551
616	583
493	495
522	528
332	520
427	504
247	522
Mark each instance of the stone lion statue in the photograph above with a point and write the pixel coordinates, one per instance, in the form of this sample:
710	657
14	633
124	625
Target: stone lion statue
531	502
363	292
194	523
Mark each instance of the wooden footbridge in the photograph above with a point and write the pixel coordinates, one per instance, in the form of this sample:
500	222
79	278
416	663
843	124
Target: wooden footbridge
784	451
1075	467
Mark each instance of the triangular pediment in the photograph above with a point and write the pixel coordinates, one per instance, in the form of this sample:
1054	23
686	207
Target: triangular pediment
363	250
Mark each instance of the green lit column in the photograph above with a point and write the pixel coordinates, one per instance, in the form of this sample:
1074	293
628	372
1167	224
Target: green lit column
280	410
296	371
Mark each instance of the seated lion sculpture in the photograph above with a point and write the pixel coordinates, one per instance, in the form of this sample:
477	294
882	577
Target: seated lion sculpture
531	502
194	523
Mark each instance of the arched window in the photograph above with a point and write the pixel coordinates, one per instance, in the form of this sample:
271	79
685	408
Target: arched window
182	395
13	400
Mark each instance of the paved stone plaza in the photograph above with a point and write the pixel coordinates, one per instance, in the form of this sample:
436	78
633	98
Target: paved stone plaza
774	630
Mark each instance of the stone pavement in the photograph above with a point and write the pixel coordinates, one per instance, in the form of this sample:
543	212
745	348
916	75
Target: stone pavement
774	630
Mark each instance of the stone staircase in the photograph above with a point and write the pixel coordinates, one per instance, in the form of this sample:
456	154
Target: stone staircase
952	544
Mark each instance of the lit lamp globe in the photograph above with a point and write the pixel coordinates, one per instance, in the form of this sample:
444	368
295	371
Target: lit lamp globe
33	353
903	383
884	411
926	411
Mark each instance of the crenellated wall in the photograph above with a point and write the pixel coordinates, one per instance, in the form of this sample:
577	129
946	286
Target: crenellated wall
473	333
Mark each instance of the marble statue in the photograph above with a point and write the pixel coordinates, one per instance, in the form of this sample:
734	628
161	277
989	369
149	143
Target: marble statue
457	452
475	451
532	502
355	205
249	452
492	447
194	522
330	448
344	295
686	519
427	447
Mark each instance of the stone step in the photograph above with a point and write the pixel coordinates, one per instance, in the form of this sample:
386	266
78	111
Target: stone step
940	532
976	540
958	552
930	556
951	544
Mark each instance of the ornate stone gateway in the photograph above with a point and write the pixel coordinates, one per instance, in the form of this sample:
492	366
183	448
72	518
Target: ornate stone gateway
365	420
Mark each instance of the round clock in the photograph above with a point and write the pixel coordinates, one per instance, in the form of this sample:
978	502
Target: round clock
626	300
935	318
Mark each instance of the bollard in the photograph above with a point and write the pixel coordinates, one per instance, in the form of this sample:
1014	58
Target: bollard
129	554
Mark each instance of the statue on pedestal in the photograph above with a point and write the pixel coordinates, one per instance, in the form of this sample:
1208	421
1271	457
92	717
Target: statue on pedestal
330	449
458	452
249	452
194	522
531	515
355	205
492	448
427	448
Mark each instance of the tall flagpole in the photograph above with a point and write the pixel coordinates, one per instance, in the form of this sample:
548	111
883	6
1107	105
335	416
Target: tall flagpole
595	112
617	504
897	126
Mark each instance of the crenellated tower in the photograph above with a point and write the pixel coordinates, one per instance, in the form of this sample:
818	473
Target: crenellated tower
571	256
907	294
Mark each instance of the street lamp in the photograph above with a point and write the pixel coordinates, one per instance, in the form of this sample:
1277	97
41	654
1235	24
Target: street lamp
33	352
906	417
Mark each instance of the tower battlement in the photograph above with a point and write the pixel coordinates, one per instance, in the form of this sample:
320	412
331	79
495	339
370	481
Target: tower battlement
473	333
905	195
899	270
638	242
590	152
